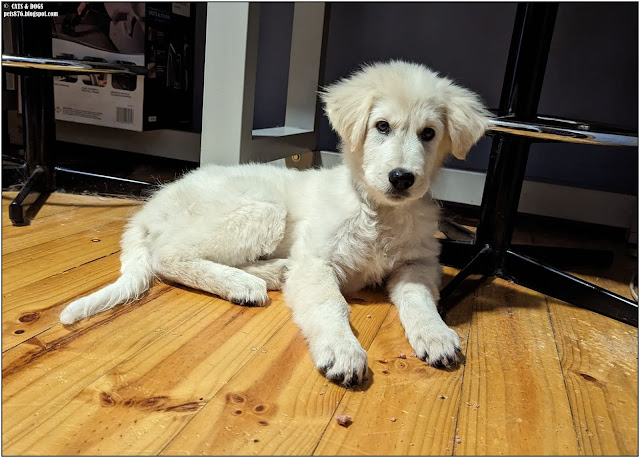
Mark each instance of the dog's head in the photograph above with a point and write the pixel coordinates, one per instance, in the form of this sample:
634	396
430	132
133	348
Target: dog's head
397	122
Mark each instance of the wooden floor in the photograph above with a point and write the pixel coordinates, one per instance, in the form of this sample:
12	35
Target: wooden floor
182	372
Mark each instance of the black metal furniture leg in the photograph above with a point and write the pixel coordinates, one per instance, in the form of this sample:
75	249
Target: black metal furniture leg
18	207
457	253
473	268
521	91
566	258
540	277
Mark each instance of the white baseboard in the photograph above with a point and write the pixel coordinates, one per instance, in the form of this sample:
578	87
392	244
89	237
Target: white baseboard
544	199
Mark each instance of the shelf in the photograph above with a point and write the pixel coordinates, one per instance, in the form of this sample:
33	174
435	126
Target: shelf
173	144
283	131
69	66
564	131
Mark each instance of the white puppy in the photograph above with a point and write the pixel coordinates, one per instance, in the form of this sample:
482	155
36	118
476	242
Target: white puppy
238	231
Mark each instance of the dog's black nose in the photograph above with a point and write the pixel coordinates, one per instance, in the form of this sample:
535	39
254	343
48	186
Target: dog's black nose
401	179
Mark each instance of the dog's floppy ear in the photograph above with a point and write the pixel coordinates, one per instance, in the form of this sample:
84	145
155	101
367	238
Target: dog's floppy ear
467	120
347	105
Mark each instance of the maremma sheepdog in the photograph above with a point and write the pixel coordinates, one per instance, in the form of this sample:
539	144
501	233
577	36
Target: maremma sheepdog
239	231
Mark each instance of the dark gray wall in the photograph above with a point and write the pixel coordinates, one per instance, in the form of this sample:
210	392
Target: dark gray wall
592	74
274	46
592	71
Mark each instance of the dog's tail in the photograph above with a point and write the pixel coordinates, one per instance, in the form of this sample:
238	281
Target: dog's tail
136	275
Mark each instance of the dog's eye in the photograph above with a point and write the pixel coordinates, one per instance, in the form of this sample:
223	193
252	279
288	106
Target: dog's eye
427	134
383	127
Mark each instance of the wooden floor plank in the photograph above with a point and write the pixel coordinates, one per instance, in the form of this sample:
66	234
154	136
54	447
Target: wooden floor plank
45	211
183	372
38	262
599	358
61	225
36	307
600	362
410	408
58	203
513	393
71	234
46	372
280	404
144	401
599	355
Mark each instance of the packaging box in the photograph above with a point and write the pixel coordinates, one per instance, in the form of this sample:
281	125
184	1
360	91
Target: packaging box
159	36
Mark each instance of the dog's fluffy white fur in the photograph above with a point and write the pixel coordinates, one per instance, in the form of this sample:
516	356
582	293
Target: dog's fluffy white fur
239	231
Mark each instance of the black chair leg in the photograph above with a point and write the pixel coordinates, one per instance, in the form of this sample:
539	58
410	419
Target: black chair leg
474	267
23	207
549	281
457	253
567	258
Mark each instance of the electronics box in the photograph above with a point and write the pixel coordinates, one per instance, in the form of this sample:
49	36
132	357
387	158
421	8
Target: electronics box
159	36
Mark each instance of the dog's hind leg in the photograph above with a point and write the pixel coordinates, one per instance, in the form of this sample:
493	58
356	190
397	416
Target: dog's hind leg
270	270
209	259
241	237
229	283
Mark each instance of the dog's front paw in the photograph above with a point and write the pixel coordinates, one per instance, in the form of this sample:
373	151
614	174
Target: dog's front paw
341	360
250	292
439	346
